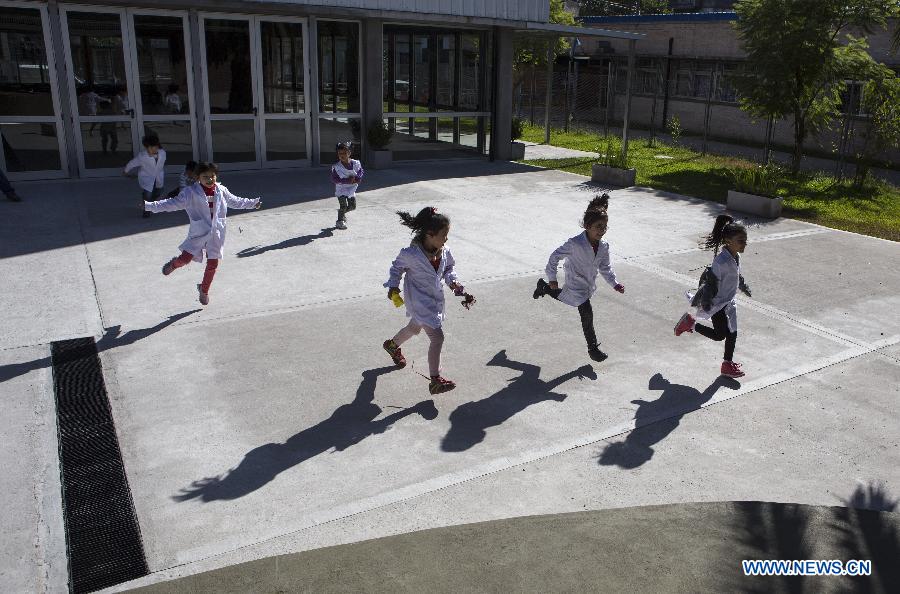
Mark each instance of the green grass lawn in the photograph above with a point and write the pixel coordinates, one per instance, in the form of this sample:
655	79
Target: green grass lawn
814	197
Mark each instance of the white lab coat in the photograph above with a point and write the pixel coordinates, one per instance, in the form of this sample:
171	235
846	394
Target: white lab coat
339	172
206	232
151	172
581	268
728	272
423	287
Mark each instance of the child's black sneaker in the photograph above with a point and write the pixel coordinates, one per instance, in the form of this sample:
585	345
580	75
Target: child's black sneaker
394	351
541	289
596	354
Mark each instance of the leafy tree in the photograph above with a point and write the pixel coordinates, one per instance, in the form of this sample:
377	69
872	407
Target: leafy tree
622	7
532	48
797	61
881	101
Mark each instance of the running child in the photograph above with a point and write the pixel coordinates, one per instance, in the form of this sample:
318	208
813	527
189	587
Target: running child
151	166
715	298
427	264
346	175
586	255
207	205
187	178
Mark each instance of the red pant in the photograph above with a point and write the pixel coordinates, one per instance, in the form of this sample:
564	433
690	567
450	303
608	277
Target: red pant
211	265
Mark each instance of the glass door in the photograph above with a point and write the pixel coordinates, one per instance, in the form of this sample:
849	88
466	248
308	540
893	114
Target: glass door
164	108
100	87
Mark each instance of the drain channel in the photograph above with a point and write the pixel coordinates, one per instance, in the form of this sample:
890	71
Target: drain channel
102	531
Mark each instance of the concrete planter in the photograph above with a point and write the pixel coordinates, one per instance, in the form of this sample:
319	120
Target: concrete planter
381	159
759	205
612	175
516	151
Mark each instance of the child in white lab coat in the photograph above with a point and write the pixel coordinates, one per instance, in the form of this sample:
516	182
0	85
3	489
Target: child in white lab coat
206	204
151	166
586	255
427	264
715	298
346	175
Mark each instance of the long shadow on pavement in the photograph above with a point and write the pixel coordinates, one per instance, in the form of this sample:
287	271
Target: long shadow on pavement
656	419
287	243
348	425
469	422
110	340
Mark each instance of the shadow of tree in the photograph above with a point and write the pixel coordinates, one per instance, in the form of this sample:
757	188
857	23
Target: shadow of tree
287	243
656	419
470	421
348	425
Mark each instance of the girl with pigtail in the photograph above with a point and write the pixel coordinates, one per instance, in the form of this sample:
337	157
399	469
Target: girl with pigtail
586	255
427	264
715	297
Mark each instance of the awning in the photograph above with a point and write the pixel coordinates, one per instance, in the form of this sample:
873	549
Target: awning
550	29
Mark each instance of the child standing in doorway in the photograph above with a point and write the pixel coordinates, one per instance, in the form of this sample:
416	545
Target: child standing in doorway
585	256
151	166
715	298
207	205
427	264
346	175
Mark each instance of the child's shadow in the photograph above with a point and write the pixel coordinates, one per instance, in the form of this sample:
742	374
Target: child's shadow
656	419
348	425
287	243
469	422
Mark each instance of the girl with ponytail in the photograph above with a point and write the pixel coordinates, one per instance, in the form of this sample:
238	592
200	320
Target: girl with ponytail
715	297
586	255
427	264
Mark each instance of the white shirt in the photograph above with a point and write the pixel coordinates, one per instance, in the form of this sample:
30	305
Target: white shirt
423	287
728	272
581	267
206	232
339	171
152	169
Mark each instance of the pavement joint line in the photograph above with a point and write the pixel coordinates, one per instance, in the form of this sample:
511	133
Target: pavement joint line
503	463
760	307
82	214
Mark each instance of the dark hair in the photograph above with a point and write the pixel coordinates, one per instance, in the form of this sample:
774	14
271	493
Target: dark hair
725	228
190	166
429	220
596	210
150	140
202	167
345	144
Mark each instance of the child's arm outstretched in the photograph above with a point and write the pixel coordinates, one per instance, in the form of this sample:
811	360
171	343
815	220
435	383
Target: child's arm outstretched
607	273
452	281
398	267
133	164
177	202
240	203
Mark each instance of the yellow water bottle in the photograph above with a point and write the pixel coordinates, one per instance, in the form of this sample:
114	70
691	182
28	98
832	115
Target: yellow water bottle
397	299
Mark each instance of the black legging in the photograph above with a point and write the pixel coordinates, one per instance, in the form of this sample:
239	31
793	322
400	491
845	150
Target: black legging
720	331
587	318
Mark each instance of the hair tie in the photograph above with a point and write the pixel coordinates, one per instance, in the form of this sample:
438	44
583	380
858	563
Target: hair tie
433	210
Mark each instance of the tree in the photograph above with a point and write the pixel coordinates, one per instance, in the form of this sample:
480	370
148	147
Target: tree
797	61
532	48
623	7
881	102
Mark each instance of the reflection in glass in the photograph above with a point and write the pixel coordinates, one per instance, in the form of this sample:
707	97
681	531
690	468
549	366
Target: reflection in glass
401	68
107	145
175	137
98	61
282	58
24	72
446	69
285	140
338	66
233	141
162	71
421	71
30	147
228	66
470	75
435	138
332	131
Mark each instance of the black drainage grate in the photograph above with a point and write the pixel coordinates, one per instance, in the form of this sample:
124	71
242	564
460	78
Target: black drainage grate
102	531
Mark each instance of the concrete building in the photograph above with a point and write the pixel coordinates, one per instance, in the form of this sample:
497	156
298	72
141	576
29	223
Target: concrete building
252	84
684	63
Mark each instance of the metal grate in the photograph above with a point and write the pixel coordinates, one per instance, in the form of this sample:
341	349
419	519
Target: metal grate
102	531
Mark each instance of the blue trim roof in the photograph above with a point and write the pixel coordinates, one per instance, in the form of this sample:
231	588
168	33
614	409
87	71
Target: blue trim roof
660	18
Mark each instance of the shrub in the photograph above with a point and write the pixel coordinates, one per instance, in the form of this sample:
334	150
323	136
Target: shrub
762	180
517	128
673	126
379	135
612	155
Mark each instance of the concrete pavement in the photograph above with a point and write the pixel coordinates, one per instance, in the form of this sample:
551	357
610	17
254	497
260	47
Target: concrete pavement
269	422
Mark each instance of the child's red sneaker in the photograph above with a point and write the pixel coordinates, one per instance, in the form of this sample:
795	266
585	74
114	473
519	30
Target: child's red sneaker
203	297
731	369
394	351
168	267
685	324
439	385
